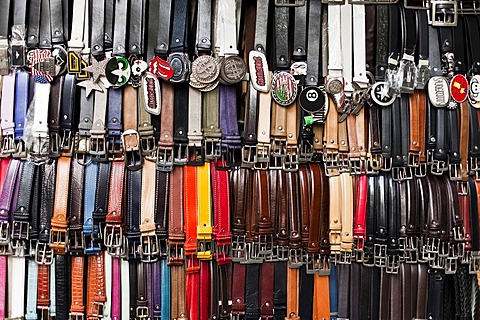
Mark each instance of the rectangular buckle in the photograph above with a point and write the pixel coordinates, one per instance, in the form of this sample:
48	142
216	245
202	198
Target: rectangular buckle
142	312
58	240
76	242
455	171
380	255
265	244
393	264
458	233
386	164
358	253
43	253
76	316
98	147
114	240
54	145
438	167
324	265
238	248
180	154
295	258
131	145
149	248
451	266
372	1
66	143
204	249
421	170
413	159
312	263
175	254
195	155
276	162
222	253
212	148
115	148
345	257
290	161
305	151
20	150
253	255
249	155
443	13
164	159
289	3
263	156
4	65
423	73
43	313
148	145
97	309
20	230
282	253
357	166
234	156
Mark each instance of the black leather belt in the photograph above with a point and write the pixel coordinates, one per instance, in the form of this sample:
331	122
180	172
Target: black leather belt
133	209
98	31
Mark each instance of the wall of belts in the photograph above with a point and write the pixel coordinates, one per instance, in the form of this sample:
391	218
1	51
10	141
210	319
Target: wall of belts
229	159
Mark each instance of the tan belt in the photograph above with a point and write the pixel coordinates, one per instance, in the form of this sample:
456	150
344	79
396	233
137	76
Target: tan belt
331	136
292	294
59	218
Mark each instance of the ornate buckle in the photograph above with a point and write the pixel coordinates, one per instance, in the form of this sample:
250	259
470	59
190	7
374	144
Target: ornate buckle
4	65
43	253
164	159
295	258
149	248
443	13
238	248
8	145
175	254
142	312
58	238
131	144
249	155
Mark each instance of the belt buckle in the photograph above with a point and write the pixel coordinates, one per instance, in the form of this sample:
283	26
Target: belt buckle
204	249
133	245
289	3
43	313
433	245
413	159
43	253
234	156
142	312
115	148
458	233
132	154
407	74
238	248
54	145
393	264
331	163
358	253
451	266
180	154
149	248
66	145
164	159
380	255
98	147
323	265
443	249
113	236
290	161
76	242
265	244
148	145
275	162
253	253
411	247
455	171
76	316
415	4
345	257
20	150
58	240
438	167
212	148
423	73
344	162
438	262
443	13
222	253
195	155
386	164
93	245
305	151
282	253
312	263
295	258
8	144
249	155
375	161
263	156
4	65
97	309
20	230
175	254
357	165
421	170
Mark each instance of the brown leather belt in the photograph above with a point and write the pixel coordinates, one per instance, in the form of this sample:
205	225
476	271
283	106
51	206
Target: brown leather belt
58	233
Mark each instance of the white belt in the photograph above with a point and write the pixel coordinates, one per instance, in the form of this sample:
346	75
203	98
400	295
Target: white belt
359	59
125	285
32	279
53	306
40	115
226	33
194	117
346	31
16	289
335	65
78	24
108	287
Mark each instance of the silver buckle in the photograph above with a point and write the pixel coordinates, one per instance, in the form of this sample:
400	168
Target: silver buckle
289	3
295	258
114	239
393	264
414	4
76	316
8	145
438	167
175	254
142	312
312	263
345	257
149	248
249	155
290	162
212	148
43	253
263	156
443	13
238	248
372	1
97	309
164	159
380	255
